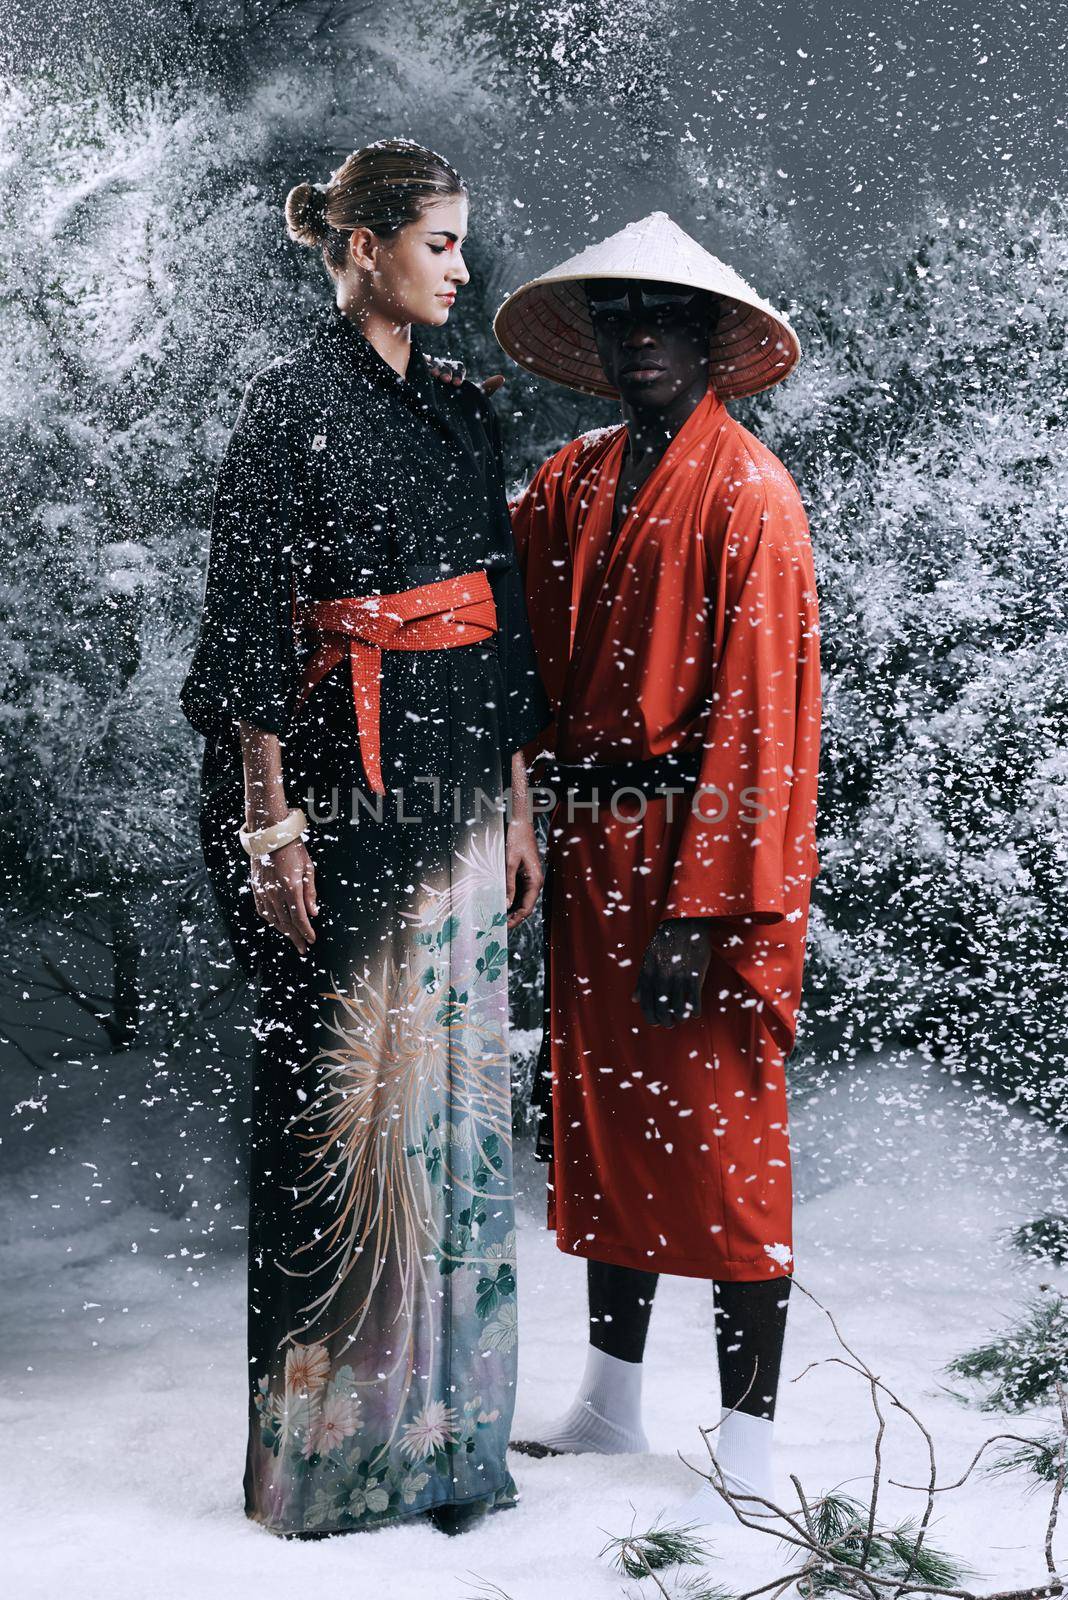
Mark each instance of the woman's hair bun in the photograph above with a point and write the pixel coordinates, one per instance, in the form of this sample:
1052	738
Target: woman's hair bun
382	187
306	213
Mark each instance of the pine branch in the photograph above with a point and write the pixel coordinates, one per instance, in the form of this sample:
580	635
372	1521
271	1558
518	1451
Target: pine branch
663	1545
1028	1359
486	1590
1046	1238
1039	1456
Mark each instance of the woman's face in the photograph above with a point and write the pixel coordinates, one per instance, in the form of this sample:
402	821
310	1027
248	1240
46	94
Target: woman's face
415	275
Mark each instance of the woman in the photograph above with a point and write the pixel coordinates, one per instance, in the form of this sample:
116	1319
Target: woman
364	677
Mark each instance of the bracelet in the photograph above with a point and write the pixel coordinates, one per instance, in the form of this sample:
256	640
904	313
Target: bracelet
277	834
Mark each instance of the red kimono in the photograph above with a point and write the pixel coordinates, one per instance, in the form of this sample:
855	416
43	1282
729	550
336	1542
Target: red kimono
695	627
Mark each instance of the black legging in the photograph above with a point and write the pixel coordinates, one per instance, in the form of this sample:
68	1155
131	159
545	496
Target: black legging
750	1327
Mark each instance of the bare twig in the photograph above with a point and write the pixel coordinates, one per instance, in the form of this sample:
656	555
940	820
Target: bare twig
637	1550
781	1584
877	1472
877	1384
943	1488
805	1511
1058	1487
824	1552
719	1483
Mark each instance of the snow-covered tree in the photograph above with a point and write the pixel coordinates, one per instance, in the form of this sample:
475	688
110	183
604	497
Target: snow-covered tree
927	432
142	280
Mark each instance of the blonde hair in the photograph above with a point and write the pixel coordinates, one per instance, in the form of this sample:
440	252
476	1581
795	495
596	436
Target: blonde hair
383	187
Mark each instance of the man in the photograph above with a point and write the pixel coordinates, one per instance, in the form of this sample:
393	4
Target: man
672	598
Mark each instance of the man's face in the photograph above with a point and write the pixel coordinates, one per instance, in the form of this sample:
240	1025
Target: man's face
652	338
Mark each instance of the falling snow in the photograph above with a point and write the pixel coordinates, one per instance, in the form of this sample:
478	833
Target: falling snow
892	178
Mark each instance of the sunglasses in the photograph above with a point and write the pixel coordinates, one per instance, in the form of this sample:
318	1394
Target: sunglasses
614	297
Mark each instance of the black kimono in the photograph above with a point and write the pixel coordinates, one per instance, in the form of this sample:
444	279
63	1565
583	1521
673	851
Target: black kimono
382	1310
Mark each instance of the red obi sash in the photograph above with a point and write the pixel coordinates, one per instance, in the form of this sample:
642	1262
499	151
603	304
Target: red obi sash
434	616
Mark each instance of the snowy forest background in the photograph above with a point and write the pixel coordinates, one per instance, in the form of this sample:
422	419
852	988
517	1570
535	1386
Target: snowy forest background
891	182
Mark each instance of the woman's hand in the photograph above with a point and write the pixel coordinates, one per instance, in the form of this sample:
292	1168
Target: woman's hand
521	859
523	870
283	884
453	373
283	887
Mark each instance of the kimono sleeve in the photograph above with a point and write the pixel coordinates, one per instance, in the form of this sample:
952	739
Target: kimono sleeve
526	707
539	526
748	837
244	662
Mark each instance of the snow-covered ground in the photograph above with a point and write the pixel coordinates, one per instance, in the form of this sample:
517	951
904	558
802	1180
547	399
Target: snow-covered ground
123	1400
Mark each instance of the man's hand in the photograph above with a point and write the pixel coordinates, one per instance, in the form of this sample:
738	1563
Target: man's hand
453	373
673	971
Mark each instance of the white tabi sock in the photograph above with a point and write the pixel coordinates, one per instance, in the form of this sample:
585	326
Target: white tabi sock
606	1416
742	1446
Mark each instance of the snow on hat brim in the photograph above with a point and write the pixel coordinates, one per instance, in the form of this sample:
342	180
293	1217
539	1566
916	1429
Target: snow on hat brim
545	325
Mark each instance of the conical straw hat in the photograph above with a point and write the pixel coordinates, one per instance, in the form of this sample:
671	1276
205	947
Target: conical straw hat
545	325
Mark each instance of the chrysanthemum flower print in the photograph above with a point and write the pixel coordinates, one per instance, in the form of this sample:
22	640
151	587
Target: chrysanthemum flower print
307	1368
432	1429
336	1422
290	1415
